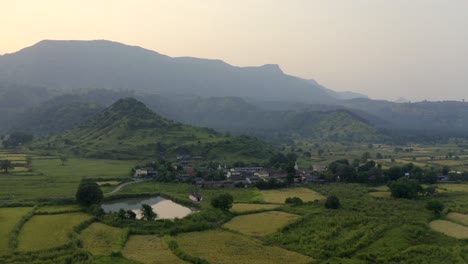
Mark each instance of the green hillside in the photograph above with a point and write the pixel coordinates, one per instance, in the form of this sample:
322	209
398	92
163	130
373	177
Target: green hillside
128	129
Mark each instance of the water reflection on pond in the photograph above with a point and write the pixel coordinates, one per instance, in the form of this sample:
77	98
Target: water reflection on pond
165	208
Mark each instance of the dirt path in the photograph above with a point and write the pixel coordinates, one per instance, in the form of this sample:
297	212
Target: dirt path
118	188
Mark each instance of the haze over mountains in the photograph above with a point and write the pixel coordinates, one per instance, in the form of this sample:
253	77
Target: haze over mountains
68	65
56	85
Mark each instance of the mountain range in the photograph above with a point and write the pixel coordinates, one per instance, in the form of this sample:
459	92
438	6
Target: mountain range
55	86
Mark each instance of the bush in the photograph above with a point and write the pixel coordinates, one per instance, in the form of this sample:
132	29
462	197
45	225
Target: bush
332	202
294	201
223	201
435	206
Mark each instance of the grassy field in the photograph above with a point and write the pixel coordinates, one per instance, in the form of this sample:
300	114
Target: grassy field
224	247
47	231
52	180
8	219
246	207
261	224
380	194
450	229
149	249
58	208
100	239
279	196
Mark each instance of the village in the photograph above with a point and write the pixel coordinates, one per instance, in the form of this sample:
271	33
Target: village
183	169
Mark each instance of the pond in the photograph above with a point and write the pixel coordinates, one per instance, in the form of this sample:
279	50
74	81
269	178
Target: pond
165	208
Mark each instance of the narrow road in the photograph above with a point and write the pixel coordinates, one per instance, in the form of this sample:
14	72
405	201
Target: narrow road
118	188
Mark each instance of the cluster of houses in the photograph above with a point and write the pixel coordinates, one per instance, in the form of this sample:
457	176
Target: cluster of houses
235	177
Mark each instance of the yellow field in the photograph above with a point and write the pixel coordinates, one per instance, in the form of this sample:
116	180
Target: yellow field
8	219
278	196
460	218
47	231
101	239
244	207
450	229
453	187
149	249
223	247
261	224
57	208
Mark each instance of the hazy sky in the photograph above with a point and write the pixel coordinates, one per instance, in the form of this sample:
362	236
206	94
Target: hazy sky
417	49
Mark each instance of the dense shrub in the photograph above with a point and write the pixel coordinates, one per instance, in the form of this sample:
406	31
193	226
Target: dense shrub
294	201
223	201
405	188
332	202
435	206
88	193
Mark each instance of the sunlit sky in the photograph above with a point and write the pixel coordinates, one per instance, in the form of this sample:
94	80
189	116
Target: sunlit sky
417	49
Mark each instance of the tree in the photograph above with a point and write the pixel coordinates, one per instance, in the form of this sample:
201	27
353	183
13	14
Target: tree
320	152
435	206
17	139
130	215
5	165
88	193
332	202
223	201
405	188
64	159
147	212
122	214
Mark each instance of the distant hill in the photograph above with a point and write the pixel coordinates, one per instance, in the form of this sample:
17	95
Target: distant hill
55	115
128	130
68	65
232	114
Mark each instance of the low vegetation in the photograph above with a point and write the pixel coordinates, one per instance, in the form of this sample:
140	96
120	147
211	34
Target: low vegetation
245	207
100	239
49	231
149	249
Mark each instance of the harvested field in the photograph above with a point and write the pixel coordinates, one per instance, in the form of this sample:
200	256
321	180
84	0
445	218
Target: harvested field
224	247
450	229
261	224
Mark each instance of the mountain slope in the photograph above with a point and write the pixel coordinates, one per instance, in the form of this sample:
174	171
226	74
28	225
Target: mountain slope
128	130
68	65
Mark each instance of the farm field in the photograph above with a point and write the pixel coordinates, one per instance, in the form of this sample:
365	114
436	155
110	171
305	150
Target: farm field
261	224
8	219
149	249
48	231
50	179
58	208
224	247
101	239
450	229
246	207
280	195
461	218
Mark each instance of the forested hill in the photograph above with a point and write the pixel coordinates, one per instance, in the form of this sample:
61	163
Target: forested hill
128	129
